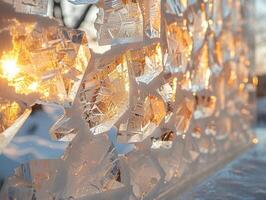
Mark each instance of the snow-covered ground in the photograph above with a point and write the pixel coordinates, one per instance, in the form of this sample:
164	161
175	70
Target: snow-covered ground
32	141
242	179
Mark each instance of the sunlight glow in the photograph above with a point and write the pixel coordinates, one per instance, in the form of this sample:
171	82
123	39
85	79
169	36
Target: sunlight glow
9	68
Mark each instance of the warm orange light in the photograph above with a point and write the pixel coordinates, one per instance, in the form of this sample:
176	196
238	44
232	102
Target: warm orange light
9	68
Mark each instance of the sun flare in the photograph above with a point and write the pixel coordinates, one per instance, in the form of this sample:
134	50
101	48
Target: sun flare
9	68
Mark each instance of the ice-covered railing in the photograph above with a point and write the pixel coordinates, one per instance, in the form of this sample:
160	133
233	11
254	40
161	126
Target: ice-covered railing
174	89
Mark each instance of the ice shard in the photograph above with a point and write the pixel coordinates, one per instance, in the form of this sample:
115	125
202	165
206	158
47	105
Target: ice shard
119	22
151	10
146	63
104	94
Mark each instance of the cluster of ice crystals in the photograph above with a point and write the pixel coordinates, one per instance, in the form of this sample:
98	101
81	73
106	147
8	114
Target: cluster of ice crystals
46	63
173	91
49	60
104	94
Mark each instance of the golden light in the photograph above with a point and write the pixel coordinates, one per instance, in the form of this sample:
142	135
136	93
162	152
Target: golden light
9	68
33	86
255	141
241	87
255	81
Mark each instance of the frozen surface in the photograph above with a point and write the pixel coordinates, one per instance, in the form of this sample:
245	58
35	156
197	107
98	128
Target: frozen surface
242	179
